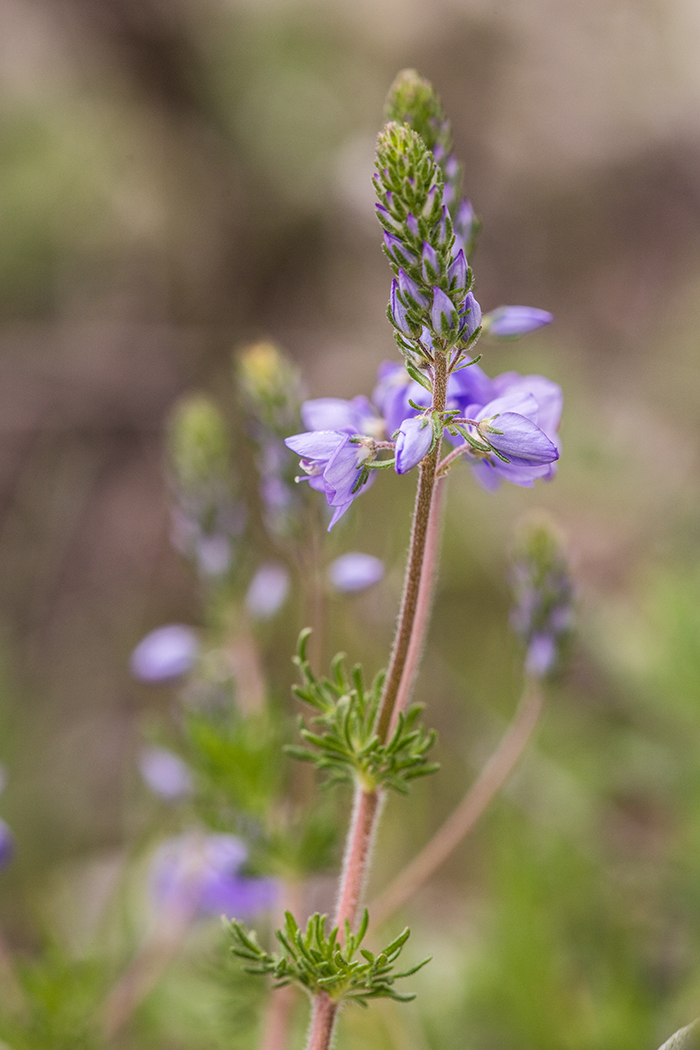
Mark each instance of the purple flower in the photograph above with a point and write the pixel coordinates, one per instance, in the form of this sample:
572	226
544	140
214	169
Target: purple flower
509	424
398	310
214	554
165	773
443	315
410	290
463	226
166	653
431	265
355	571
541	655
458	272
7	845
268	591
357	416
470	317
392	393
413	442
397	250
334	465
200	874
511	321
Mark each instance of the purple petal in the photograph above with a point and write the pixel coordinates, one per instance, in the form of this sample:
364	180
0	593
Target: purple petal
315	444
355	571
509	321
164	654
236	896
522	438
165	773
412	224
409	288
398	311
470	316
471	386
443	315
398	250
341	472
457	272
431	266
268	591
214	554
412	443
546	393
328	413
7	844
541	655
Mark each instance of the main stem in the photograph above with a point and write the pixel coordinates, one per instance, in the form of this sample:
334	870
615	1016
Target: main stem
367	804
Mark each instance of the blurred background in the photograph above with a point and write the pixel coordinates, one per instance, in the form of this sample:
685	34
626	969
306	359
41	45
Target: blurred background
179	178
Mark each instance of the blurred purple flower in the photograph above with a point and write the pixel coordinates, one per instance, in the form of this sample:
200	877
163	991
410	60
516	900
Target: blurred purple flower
413	442
7	845
200	874
166	653
510	321
165	773
355	571
541	655
214	554
268	590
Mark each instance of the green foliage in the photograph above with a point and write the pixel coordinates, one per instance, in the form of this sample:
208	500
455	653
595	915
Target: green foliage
346	744
320	963
198	442
236	762
57	1005
686	1039
270	386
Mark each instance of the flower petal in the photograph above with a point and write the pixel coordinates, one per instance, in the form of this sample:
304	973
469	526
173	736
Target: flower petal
412	443
523	439
509	321
316	444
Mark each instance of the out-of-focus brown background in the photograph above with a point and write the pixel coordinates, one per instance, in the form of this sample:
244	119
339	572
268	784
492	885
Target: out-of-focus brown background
178	178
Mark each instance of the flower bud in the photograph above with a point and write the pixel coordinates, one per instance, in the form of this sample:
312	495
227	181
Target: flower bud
458	272
398	311
443	315
413	442
431	265
410	290
470	317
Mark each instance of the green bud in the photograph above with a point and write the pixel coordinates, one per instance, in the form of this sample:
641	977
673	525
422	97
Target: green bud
269	385
412	100
198	443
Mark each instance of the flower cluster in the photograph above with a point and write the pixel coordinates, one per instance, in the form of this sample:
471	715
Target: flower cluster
506	427
543	590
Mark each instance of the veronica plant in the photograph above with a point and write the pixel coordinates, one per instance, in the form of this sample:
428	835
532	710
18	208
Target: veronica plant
434	409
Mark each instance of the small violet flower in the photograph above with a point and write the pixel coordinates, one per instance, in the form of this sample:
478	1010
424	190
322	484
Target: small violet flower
268	591
165	773
334	465
355	572
196	874
511	321
165	654
413	442
7	845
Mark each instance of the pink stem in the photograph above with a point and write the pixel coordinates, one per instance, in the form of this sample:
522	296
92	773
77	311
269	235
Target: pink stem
359	848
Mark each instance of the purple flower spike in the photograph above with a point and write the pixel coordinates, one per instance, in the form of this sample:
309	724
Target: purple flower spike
7	845
268	591
510	321
413	442
355	572
398	311
443	315
165	773
409	288
166	653
470	316
458	272
431	266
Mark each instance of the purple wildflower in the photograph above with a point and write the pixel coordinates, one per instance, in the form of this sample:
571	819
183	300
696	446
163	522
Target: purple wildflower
7	844
268	591
398	310
165	773
200	874
355	572
166	653
443	315
529	450
334	465
458	272
470	317
413	442
410	290
510	321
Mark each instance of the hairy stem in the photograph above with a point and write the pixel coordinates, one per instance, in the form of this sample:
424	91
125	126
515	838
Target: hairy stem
414	568
424	606
464	817
368	803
